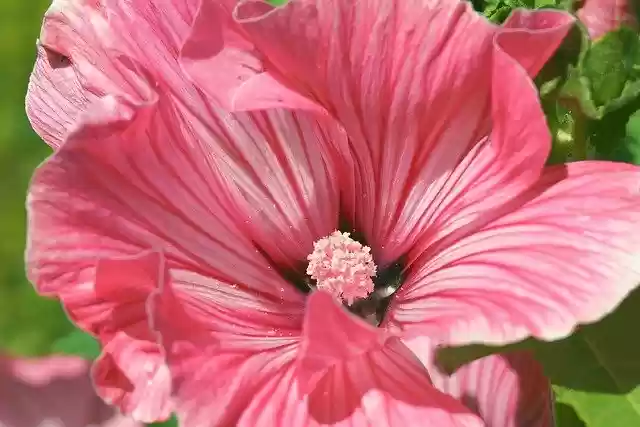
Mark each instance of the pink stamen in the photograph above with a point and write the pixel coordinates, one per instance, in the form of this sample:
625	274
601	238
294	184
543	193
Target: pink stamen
342	266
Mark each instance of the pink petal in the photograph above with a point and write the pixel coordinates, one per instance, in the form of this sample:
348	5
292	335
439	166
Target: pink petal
541	31
401	83
131	187
115	299
131	374
219	358
332	336
281	180
365	383
74	67
118	190
382	388
450	198
507	390
280	176
55	97
563	253
50	391
602	16
226	65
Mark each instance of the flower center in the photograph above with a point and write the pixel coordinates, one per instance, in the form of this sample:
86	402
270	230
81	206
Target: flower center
342	266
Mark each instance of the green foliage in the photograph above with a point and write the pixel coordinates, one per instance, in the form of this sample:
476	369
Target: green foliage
595	372
171	422
28	322
77	343
498	10
608	74
590	92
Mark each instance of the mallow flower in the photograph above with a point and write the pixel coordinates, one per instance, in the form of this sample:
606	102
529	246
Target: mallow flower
601	16
272	215
52	391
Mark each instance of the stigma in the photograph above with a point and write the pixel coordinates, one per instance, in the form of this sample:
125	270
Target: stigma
342	267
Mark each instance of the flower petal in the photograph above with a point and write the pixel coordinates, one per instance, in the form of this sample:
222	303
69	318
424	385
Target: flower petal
382	388
131	372
132	375
275	166
564	253
131	187
119	190
75	67
279	176
55	97
402	84
505	390
332	336
542	31
259	384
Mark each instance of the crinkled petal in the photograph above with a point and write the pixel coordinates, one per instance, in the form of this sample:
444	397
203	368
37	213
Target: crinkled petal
75	66
363	382
55	97
53	390
564	253
132	375
542	31
401	83
131	372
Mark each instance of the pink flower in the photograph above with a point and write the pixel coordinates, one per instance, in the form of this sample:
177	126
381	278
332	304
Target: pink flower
207	152
53	391
602	16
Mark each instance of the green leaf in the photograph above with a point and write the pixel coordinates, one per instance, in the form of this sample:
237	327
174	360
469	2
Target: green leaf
616	136
171	422
611	64
77	343
625	148
563	113
608	75
595	372
629	149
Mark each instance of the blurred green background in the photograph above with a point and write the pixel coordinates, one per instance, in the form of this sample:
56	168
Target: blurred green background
28	323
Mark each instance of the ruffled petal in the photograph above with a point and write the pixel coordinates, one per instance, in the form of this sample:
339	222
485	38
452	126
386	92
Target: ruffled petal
131	372
132	375
505	390
563	254
363	381
402	84
80	59
55	97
